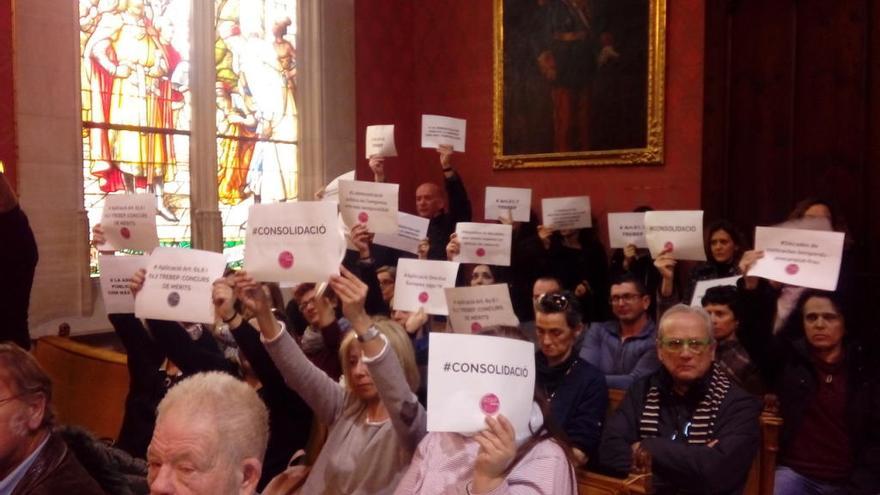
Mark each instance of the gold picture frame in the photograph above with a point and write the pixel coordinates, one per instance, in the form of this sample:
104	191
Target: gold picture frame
537	79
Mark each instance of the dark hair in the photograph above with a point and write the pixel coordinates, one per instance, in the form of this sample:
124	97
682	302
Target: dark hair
24	376
560	302
838	223
735	235
302	289
794	324
498	272
629	278
725	295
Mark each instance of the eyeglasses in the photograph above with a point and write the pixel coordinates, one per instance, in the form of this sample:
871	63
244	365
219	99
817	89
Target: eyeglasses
677	346
626	298
553	302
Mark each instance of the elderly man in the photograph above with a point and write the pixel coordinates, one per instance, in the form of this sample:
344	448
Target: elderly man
623	348
688	423
210	437
32	458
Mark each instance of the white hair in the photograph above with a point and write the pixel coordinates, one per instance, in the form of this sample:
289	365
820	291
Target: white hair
679	309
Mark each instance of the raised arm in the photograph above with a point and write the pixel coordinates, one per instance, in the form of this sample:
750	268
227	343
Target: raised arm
459	204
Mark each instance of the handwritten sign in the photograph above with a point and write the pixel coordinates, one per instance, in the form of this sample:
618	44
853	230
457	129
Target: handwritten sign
704	285
116	272
437	130
474	376
129	221
484	243
472	309
567	213
421	284
178	285
625	229
293	242
806	258
380	141
680	232
508	202
373	204
411	229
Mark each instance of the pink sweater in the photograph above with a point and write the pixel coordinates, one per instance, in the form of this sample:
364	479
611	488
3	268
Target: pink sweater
444	463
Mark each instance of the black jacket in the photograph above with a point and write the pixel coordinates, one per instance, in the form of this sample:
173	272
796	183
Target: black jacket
443	225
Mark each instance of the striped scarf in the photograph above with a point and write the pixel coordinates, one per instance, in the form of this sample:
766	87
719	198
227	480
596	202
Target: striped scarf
703	421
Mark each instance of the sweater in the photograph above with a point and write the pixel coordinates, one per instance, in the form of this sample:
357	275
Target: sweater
622	361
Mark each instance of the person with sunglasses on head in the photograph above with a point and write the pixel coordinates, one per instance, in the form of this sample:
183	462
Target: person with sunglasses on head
687	424
623	348
576	390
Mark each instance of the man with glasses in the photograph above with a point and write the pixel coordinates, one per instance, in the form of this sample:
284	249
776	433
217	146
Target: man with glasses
623	348
32	458
323	335
687	424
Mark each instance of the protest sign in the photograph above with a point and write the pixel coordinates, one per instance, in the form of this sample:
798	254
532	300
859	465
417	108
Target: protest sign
411	230
474	376
704	285
566	213
129	221
806	258
473	308
626	228
508	202
179	284
420	284
331	190
380	141
679	232
371	203
437	130
484	243
116	272
293	242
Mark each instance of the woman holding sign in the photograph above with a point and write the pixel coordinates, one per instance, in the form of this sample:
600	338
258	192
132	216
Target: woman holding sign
375	420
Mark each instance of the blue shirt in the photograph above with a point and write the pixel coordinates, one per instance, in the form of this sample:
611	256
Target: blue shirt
8	484
622	362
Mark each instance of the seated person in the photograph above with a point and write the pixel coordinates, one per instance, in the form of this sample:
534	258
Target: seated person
623	348
699	430
33	459
375	420
543	285
211	432
498	460
576	389
387	276
723	307
321	339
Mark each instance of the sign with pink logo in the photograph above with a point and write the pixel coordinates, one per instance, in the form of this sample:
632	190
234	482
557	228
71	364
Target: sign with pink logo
421	284
679	233
473	308
474	376
805	258
484	243
129	221
373	204
293	242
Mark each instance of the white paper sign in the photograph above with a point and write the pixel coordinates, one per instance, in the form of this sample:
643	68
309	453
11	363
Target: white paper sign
626	228
681	232
437	130
371	203
501	202
293	242
704	285
806	258
567	213
380	141
484	243
472	376
331	190
116	272
178	285
473	308
411	230
420	284
129	221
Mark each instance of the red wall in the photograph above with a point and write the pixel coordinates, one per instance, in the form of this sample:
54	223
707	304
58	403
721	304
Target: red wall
436	57
7	96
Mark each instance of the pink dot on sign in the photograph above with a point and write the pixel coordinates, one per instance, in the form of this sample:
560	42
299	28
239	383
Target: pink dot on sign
669	246
481	252
490	404
125	233
285	259
363	217
792	269
476	327
423	297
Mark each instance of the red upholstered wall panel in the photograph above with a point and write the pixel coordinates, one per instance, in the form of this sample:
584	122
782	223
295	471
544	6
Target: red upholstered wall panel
436	57
7	96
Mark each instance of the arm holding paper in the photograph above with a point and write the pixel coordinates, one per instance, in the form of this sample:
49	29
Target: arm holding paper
377	165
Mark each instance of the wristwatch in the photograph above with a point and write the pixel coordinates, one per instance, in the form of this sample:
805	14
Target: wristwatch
369	335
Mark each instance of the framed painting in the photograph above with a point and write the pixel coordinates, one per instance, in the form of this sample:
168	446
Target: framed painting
578	82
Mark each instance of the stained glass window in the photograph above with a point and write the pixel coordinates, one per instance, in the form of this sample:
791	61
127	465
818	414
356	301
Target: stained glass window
255	56
136	107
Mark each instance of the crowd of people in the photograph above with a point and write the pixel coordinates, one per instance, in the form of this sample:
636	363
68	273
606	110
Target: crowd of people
232	407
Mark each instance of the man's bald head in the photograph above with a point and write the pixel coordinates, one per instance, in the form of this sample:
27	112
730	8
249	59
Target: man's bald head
429	200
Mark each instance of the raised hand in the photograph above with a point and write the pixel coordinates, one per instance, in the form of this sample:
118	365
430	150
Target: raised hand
223	296
251	294
137	281
497	450
544	234
352	293
445	152
424	247
377	165
362	239
665	264
746	263
453	249
415	321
